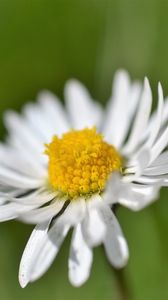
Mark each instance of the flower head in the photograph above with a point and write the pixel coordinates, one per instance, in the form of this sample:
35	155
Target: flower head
63	168
80	163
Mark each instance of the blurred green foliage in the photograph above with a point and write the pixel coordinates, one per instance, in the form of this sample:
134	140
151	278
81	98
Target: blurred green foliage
43	43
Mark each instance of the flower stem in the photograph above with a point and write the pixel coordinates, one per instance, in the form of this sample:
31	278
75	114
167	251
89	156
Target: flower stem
123	288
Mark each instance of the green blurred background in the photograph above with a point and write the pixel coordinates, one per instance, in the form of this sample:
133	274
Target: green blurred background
44	43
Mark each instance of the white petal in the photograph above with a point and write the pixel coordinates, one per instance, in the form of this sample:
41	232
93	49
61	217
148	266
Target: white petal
10	191
93	228
120	107
137	165
36	259
74	213
80	259
9	158
27	208
159	146
158	170
158	119
49	250
15	209
31	252
164	181
165	111
15	148
2	200
136	197
151	132
141	119
54	112
21	130
113	189
115	244
7	212
131	195
116	106
24	138
11	178
38	122
37	198
151	180
82	110
42	214
154	117
161	159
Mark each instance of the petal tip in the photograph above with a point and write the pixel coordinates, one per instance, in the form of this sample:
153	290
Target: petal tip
73	89
146	82
160	89
77	282
23	281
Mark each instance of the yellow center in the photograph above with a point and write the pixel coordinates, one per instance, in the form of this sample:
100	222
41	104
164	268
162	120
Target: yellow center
80	162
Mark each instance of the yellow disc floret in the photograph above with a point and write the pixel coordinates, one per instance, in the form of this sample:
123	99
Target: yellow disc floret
80	162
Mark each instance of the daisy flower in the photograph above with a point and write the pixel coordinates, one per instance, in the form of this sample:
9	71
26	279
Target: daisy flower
63	168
